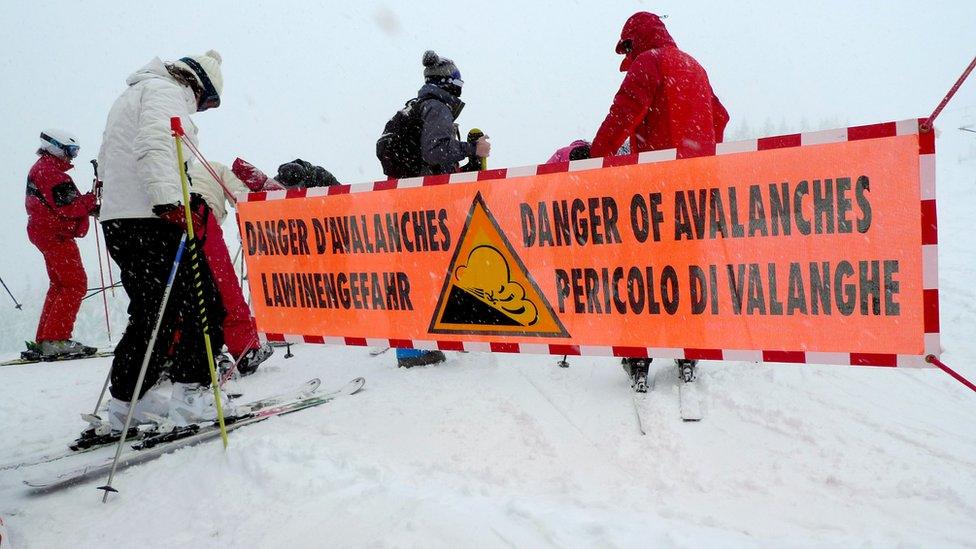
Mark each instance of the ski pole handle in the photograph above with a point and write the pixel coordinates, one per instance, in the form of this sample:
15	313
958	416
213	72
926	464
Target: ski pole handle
474	134
96	183
176	125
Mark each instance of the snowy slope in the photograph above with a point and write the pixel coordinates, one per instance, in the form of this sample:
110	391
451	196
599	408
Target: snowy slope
506	450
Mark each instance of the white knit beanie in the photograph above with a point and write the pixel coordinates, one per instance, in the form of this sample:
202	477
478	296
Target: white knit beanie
210	62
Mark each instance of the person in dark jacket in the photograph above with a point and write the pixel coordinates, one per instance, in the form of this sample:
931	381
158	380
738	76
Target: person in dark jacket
57	214
441	149
665	102
439	99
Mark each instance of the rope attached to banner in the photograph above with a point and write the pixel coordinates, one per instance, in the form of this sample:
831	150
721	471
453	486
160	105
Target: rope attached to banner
927	125
956	375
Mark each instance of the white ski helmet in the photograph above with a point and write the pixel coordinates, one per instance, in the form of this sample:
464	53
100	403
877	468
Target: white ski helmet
60	143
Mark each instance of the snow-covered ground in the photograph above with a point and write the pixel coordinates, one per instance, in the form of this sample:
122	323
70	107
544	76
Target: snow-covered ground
494	451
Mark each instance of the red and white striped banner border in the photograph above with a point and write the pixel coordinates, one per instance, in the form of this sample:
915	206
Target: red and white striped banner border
929	229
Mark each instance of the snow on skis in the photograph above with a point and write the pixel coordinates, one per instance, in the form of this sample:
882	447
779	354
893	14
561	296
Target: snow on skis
153	446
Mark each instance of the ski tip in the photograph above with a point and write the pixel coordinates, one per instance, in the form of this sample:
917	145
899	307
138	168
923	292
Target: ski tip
355	385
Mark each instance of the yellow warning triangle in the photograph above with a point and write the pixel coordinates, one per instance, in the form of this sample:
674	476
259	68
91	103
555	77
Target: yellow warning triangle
488	291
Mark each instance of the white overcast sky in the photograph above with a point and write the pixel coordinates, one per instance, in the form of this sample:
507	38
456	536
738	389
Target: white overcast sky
318	80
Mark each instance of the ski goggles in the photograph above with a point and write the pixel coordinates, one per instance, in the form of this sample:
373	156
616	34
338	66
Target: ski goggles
70	150
455	79
209	98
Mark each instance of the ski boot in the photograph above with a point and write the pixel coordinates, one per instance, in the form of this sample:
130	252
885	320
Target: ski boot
149	416
195	403
253	358
225	363
151	408
66	348
408	358
687	369
33	351
637	369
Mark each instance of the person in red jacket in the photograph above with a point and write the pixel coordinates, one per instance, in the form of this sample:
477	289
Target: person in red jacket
665	101
57	214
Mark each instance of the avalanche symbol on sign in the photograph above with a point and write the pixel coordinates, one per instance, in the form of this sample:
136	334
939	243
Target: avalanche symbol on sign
488	290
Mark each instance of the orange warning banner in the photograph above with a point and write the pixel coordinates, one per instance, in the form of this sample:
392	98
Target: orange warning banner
806	248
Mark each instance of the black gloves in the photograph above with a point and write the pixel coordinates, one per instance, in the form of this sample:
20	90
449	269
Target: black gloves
301	174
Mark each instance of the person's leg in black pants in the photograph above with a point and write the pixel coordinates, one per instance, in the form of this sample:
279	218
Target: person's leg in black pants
145	250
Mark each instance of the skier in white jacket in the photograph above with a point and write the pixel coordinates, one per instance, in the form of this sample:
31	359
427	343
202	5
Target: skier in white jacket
143	219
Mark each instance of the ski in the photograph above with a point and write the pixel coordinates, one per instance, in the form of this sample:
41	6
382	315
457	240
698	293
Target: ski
378	352
83	445
639	399
31	359
302	391
152	447
640	403
690	401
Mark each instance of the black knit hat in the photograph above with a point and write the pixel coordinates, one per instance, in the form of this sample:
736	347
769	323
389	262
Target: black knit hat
440	69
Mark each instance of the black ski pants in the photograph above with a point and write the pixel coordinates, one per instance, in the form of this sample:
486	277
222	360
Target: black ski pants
144	250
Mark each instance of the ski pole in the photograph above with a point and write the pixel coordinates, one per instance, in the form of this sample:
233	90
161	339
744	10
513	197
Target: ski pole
112	285
97	189
96	291
16	304
197	264
240	252
142	371
101	395
232	369
474	134
108	259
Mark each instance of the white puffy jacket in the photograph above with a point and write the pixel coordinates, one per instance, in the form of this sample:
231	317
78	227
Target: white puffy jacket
137	161
210	190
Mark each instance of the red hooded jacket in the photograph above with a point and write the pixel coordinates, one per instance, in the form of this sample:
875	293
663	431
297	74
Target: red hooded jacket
665	101
56	210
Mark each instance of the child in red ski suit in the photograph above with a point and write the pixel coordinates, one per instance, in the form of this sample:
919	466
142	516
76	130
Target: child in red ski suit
57	214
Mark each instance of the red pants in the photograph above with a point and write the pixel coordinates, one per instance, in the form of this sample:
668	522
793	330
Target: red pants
68	285
240	331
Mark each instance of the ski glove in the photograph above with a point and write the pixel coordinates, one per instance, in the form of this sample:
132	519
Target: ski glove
175	214
580	152
248	173
301	174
